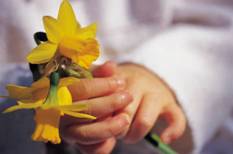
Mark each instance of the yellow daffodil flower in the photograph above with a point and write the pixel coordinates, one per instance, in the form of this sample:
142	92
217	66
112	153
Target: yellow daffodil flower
50	102
66	38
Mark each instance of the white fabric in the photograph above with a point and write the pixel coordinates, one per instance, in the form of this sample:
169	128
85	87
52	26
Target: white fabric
186	42
202	81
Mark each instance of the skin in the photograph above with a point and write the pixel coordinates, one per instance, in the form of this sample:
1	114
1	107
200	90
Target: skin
127	100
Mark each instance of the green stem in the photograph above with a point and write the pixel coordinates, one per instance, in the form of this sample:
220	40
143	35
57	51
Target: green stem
156	142
54	79
52	98
73	73
85	73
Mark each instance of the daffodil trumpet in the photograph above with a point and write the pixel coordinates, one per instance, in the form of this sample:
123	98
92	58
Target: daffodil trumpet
63	54
51	99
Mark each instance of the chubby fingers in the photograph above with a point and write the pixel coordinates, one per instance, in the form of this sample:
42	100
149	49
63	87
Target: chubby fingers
107	105
89	88
93	133
148	112
131	109
99	107
150	109
176	123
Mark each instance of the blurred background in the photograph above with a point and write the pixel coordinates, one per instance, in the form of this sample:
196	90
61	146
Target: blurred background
192	38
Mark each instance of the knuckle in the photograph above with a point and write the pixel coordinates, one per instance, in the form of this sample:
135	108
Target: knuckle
112	131
116	102
119	100
85	87
114	105
111	83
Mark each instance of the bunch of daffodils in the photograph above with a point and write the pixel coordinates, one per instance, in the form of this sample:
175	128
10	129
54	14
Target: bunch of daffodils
64	54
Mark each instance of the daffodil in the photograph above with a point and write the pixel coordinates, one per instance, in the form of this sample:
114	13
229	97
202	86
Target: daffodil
66	38
51	99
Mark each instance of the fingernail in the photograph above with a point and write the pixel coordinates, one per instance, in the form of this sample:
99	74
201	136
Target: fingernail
124	119
125	96
120	83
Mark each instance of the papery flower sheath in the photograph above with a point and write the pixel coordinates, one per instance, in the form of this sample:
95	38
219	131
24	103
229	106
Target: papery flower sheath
67	38
50	103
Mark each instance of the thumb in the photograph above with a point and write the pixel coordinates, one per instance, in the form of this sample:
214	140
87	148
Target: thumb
105	70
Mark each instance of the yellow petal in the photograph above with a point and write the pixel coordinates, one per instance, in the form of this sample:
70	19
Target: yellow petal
67	19
19	92
64	96
42	54
74	107
41	83
67	81
85	60
88	54
82	52
79	115
36	136
53	29
40	88
24	106
88	32
47	126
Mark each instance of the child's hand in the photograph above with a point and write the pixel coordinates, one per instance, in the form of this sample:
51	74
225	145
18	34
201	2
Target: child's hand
103	97
152	99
